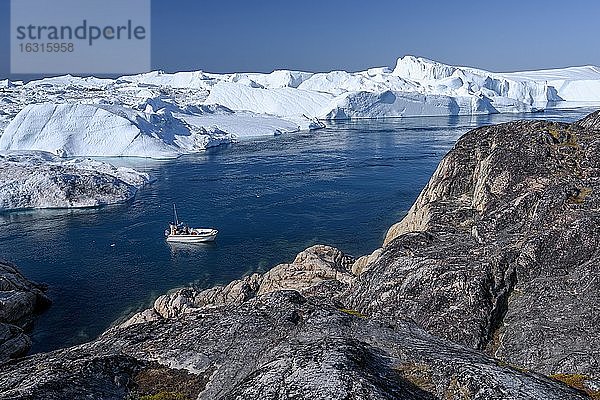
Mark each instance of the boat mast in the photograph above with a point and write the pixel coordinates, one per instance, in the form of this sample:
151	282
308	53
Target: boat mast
175	212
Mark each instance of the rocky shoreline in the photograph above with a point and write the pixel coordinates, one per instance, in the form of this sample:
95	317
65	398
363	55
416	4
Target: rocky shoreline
20	301
487	289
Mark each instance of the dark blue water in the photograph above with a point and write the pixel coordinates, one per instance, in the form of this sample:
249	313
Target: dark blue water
270	199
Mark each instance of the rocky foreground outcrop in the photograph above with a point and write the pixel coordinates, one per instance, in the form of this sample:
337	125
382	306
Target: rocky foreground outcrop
20	301
506	255
487	289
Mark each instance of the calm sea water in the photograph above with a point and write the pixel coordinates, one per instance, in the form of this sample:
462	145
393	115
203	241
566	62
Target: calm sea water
270	199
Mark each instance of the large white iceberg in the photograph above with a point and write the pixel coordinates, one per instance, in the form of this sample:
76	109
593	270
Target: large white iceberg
450	80
415	87
80	129
69	130
83	129
160	114
573	84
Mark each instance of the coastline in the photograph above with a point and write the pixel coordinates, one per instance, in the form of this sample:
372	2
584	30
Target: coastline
436	312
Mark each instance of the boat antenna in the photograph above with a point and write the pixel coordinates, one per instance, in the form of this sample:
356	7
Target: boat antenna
175	212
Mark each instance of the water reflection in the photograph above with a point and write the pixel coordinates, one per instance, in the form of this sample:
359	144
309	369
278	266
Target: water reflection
187	250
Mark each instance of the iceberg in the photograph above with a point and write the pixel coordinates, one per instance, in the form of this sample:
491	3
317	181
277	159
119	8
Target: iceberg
415	87
71	130
101	130
530	87
573	84
42	180
69	82
165	115
357	105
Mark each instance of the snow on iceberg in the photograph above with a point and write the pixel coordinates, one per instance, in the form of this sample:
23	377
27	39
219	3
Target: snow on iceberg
373	80
70	82
187	80
42	180
205	81
276	79
283	102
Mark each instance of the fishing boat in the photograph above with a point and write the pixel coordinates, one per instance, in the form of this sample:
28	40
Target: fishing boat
182	233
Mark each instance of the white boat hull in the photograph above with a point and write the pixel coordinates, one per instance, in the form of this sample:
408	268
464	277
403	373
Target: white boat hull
202	236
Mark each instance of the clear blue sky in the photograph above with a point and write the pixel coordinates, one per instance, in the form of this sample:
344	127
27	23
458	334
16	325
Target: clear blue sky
262	35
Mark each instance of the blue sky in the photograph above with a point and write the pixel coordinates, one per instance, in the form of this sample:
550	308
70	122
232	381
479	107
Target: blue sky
262	35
